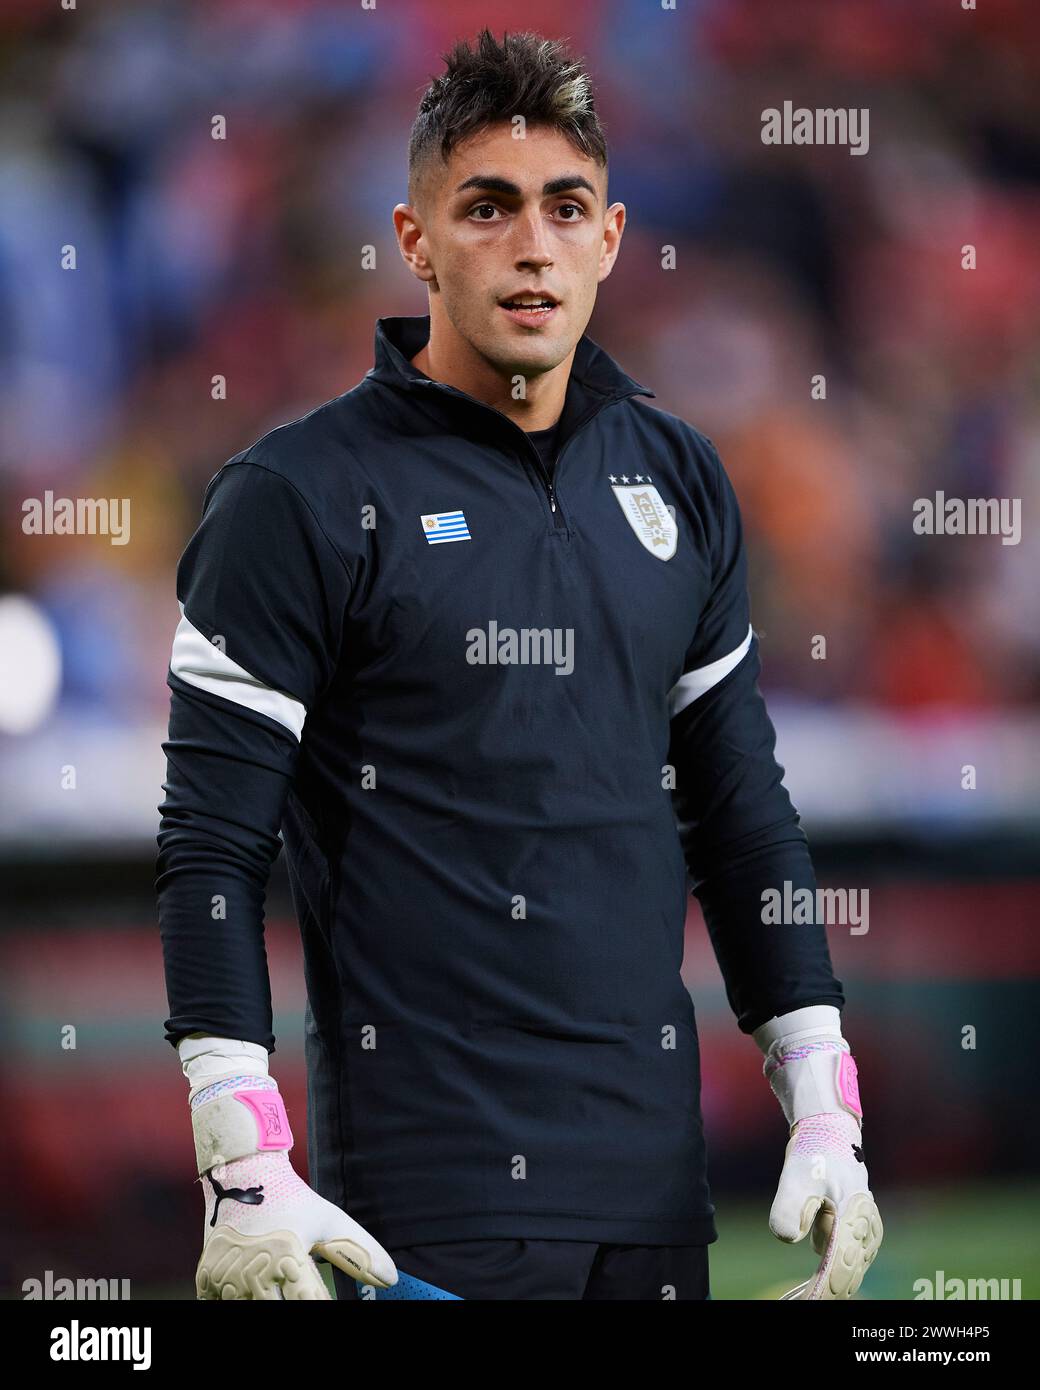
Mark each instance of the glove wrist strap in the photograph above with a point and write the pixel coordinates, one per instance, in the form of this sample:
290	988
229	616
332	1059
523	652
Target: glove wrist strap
814	1078
236	1117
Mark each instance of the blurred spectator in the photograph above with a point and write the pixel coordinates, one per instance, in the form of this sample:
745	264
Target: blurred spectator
241	259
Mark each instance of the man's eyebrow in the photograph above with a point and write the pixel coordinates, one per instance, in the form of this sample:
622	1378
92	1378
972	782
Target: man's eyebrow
494	183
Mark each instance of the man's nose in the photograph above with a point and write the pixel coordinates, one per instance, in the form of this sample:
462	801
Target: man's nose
532	241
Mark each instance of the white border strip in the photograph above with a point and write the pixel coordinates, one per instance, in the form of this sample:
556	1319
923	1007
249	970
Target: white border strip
697	683
200	663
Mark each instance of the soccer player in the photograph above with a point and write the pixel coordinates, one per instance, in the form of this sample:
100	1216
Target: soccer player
474	636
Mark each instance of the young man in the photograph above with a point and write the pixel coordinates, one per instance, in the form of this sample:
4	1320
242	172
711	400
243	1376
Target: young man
475	636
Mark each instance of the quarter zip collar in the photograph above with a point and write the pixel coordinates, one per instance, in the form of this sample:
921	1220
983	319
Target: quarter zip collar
595	377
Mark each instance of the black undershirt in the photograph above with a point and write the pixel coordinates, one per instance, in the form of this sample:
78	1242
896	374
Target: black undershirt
545	441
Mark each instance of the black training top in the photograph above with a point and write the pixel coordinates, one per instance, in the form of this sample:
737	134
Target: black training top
497	716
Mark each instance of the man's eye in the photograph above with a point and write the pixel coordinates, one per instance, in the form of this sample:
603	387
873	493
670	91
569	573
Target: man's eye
577	207
481	207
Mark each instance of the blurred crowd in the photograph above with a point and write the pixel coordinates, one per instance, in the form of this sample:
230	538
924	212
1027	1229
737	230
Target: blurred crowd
241	258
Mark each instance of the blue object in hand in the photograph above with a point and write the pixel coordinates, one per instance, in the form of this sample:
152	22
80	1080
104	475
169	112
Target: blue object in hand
408	1287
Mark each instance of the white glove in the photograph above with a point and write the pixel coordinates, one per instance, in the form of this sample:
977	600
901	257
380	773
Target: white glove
263	1223
824	1186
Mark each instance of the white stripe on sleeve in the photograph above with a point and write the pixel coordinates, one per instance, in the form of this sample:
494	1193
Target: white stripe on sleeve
205	666
697	683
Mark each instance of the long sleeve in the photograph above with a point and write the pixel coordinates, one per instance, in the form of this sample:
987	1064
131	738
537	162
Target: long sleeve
739	831
262	594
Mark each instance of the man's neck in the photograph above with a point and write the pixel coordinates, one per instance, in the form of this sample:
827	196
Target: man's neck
460	366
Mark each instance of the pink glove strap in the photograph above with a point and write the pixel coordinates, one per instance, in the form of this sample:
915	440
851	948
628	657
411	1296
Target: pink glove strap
848	1084
272	1123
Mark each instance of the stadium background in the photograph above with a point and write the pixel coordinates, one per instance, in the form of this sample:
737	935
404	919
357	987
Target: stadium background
242	258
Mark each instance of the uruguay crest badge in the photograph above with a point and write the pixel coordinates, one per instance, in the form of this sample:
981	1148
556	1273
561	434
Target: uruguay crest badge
647	515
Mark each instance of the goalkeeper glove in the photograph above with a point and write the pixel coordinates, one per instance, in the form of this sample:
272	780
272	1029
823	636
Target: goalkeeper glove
824	1186
263	1223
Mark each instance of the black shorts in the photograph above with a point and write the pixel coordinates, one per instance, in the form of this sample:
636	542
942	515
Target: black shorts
564	1269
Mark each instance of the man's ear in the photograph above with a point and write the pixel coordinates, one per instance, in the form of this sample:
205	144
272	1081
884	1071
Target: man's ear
613	230
411	242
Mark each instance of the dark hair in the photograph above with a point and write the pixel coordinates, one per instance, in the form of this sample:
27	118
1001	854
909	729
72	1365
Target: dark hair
526	75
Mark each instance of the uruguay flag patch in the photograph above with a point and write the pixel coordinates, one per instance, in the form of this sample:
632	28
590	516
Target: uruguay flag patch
441	527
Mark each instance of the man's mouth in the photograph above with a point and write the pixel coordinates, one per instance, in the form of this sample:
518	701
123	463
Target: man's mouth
530	309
